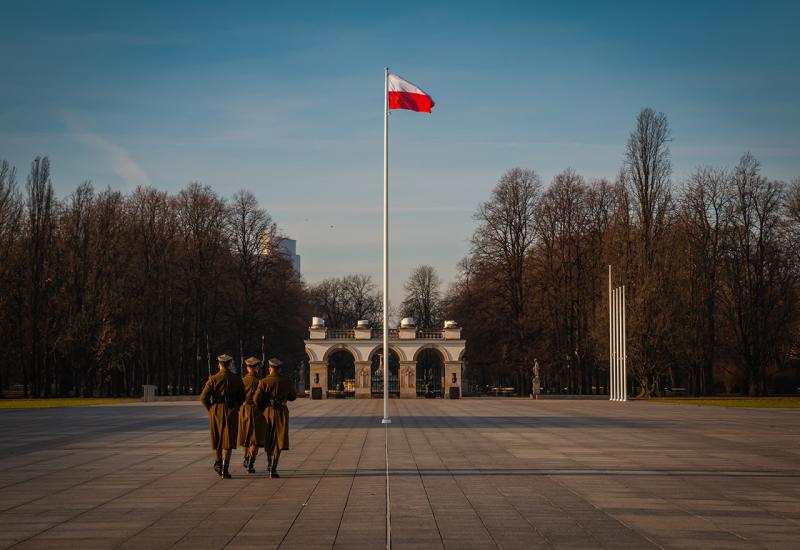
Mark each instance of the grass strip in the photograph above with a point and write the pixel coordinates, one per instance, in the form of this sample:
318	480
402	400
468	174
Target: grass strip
741	402
48	403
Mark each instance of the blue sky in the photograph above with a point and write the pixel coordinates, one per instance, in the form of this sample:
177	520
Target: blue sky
285	99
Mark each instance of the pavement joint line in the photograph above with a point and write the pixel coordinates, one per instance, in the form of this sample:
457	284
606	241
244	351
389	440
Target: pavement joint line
350	489
208	488
75	484
709	520
319	479
684	509
425	489
97	430
49	472
454	478
97	505
604	513
124	494
388	494
455	483
213	485
514	506
577	521
679	474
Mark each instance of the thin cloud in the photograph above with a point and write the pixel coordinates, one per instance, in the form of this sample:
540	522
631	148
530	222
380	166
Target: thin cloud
112	37
120	159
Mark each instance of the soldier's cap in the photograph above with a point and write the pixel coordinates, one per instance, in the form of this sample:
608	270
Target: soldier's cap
224	358
275	362
252	362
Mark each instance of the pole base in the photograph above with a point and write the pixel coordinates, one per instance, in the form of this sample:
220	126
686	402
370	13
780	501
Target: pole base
386	421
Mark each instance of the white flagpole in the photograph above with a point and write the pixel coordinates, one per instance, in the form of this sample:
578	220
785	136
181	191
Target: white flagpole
610	341
386	368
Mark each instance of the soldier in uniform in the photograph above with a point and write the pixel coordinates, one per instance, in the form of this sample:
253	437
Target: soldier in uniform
272	395
252	424
222	396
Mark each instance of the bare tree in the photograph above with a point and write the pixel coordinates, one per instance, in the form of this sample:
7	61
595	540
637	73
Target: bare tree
502	241
760	288
201	221
10	273
562	223
253	235
423	297
344	300
704	222
39	234
647	174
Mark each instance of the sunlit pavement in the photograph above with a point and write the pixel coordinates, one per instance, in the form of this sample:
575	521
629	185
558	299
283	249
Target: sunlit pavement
471	473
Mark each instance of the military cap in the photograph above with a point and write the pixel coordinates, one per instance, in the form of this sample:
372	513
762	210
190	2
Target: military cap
252	361
275	362
224	358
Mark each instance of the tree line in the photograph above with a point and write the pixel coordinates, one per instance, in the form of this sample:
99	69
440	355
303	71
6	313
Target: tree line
102	292
710	265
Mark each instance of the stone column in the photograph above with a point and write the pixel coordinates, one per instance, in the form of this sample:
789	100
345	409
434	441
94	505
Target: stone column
408	379
319	377
363	380
452	378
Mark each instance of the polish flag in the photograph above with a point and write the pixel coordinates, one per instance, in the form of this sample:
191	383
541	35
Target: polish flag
404	95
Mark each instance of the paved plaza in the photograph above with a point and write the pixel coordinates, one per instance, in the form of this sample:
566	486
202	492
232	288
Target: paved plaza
473	473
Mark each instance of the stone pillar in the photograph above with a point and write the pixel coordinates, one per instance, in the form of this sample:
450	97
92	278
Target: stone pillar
452	378
319	377
363	380
408	379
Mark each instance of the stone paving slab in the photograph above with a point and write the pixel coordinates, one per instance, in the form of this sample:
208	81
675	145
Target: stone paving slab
473	473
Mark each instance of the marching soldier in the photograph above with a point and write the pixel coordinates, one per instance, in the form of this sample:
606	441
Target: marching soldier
252	424
272	394
222	396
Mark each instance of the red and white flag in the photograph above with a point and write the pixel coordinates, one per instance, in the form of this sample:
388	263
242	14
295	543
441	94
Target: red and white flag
405	95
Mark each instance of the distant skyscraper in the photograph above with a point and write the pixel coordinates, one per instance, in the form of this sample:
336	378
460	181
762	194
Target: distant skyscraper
289	247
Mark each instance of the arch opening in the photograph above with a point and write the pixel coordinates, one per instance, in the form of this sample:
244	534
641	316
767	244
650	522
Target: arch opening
341	374
377	374
430	373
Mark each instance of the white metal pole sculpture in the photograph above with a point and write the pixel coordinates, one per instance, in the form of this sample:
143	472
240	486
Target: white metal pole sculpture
617	357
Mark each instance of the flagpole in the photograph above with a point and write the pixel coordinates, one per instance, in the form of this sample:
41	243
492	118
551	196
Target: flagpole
386	362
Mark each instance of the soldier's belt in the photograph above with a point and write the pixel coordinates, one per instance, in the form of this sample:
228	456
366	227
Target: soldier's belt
222	401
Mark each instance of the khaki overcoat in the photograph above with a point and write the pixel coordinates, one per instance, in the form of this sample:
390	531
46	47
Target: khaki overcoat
222	396
252	424
272	394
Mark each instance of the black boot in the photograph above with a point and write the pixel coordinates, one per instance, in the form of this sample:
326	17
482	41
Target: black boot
251	465
273	471
225	472
245	461
269	465
218	467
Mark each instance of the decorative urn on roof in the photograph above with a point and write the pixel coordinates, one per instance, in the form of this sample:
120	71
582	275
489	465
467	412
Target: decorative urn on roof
363	331
408	328
451	330
317	330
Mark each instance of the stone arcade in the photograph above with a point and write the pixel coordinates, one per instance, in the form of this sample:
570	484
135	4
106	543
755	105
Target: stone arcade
346	362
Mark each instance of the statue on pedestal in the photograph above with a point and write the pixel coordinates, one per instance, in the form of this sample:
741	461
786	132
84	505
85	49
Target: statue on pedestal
536	383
